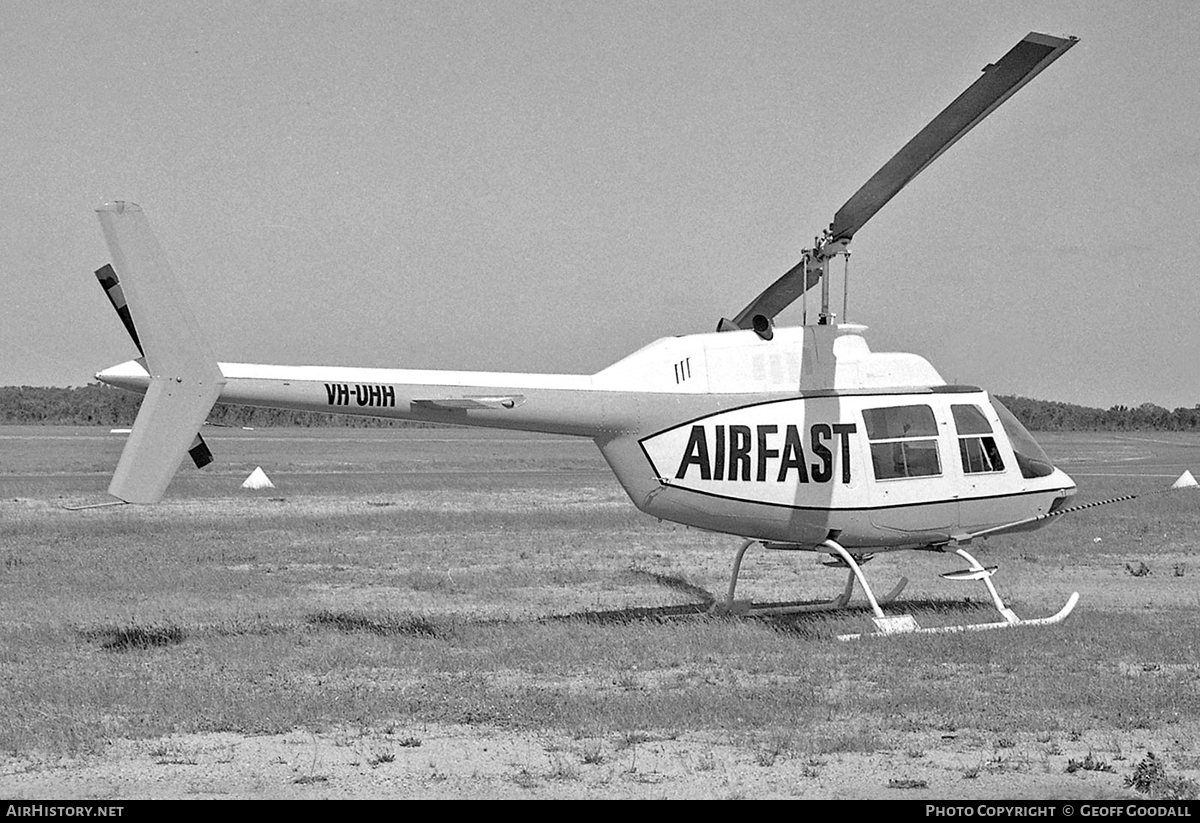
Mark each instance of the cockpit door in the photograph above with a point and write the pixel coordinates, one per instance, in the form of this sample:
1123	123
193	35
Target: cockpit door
911	487
986	463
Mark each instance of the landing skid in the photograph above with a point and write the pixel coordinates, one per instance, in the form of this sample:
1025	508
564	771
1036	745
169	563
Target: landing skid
907	624
901	624
968	627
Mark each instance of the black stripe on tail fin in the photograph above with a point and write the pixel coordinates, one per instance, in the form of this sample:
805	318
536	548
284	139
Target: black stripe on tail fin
112	288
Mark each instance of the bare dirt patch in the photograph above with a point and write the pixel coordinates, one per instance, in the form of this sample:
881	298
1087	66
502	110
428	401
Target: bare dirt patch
465	762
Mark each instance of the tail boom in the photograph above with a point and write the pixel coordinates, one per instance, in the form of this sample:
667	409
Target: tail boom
547	403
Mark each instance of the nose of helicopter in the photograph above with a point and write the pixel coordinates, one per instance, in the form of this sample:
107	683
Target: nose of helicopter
1066	487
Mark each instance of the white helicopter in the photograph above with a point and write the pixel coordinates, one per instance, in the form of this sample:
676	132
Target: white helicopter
798	439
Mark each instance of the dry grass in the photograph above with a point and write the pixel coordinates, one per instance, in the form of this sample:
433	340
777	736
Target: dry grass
533	596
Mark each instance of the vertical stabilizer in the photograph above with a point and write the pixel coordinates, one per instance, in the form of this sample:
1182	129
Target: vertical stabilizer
185	380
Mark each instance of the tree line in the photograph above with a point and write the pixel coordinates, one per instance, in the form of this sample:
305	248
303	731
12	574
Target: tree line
1048	415
99	405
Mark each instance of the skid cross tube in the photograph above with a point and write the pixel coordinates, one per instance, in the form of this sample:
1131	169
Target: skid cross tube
731	605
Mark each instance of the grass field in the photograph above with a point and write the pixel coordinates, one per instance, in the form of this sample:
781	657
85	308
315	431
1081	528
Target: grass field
400	582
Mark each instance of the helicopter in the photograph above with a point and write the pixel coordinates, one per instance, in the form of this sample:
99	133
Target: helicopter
791	438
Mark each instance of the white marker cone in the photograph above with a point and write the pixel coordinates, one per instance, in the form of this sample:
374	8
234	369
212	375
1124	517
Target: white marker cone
258	480
1185	481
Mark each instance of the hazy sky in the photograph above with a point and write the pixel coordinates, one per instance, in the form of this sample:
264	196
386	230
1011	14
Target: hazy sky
537	186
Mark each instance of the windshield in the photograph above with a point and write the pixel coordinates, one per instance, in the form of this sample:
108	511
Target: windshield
1031	460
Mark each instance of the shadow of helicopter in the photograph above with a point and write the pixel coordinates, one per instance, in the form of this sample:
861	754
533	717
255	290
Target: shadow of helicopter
814	624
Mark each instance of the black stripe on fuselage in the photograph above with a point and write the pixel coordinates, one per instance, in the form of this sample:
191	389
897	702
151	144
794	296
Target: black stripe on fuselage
841	509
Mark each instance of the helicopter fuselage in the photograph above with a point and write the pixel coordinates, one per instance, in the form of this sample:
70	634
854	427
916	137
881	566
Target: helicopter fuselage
788	439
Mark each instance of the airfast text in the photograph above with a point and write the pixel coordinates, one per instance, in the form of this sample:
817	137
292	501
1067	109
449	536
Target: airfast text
767	453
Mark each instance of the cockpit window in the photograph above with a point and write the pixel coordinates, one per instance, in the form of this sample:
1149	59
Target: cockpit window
900	421
903	442
970	419
976	445
1031	460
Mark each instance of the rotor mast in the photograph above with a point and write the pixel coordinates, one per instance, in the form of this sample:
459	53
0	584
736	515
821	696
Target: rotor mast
824	250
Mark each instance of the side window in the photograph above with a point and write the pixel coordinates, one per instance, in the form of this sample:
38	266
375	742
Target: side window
903	442
976	445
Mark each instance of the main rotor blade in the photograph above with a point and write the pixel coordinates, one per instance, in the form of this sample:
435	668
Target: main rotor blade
999	82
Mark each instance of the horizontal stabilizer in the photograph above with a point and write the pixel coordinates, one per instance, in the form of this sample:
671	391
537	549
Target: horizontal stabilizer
1185	481
455	403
